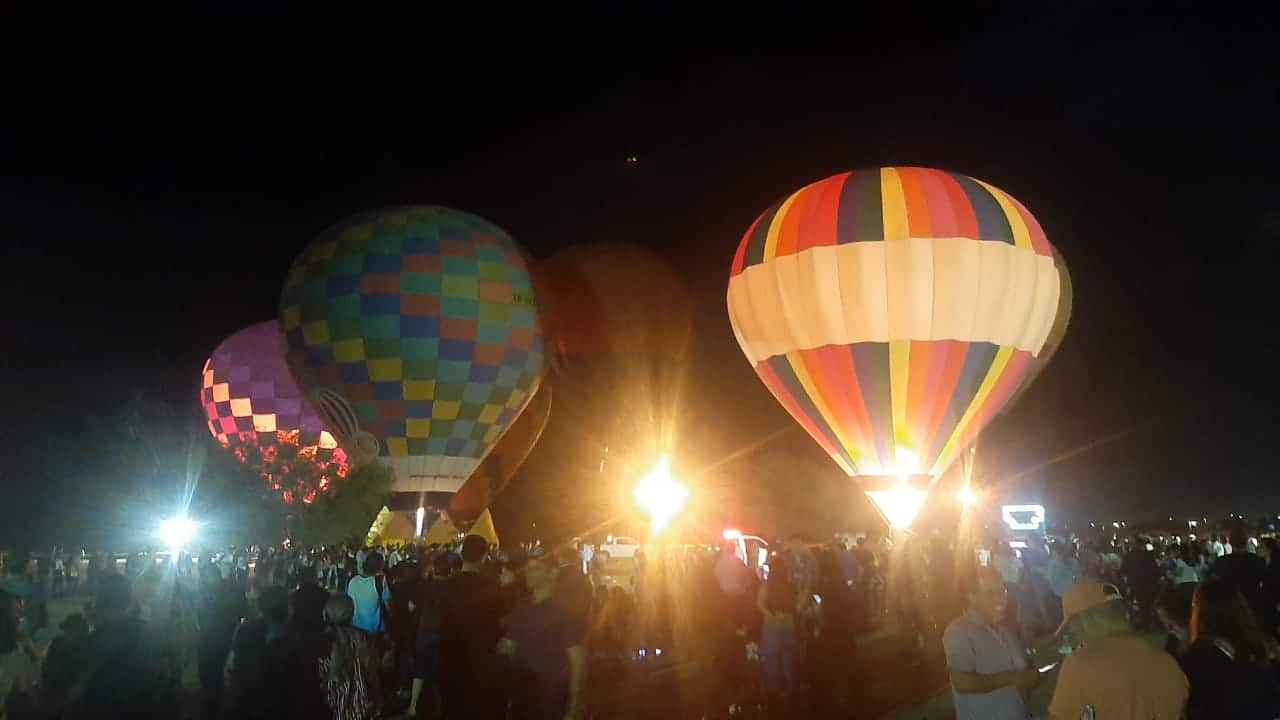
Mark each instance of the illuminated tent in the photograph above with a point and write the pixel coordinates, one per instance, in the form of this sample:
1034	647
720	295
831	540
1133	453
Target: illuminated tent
442	532
893	312
253	407
415	331
389	527
484	528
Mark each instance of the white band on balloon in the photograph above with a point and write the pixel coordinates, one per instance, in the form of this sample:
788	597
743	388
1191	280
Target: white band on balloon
914	289
431	473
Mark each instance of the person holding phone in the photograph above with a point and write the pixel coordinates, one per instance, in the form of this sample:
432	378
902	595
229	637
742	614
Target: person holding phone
987	663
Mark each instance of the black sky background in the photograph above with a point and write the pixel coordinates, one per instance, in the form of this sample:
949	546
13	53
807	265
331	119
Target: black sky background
150	206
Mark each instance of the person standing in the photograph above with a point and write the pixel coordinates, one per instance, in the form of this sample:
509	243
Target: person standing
544	639
1115	673
986	661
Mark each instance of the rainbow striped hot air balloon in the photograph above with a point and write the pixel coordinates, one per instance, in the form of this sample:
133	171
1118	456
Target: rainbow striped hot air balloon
416	332
894	311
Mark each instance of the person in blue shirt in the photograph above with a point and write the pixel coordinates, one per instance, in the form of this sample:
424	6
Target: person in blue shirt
371	594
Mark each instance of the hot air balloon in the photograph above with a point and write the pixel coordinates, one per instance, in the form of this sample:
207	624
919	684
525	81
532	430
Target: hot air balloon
502	462
254	408
893	312
1056	333
415	331
618	320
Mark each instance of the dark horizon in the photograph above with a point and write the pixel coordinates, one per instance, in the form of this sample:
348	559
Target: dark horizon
141	234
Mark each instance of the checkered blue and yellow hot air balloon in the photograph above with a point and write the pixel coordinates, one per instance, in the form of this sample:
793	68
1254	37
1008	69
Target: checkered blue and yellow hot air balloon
893	312
415	331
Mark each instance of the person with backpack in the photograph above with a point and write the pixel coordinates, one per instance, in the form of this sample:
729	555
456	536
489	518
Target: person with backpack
370	592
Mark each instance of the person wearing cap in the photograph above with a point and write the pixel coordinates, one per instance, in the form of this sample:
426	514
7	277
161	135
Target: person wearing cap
987	663
1113	674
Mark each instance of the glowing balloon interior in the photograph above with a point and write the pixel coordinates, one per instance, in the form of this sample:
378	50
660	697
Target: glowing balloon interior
416	330
893	312
253	405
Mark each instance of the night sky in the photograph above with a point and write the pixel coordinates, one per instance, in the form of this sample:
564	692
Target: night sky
150	207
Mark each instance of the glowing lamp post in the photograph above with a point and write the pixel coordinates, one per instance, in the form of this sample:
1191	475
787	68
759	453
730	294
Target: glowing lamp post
660	495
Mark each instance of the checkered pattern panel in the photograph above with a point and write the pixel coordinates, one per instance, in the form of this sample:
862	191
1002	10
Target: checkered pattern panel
424	320
249	397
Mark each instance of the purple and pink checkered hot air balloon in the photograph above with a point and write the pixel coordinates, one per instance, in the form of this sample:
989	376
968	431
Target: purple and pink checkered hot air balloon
255	410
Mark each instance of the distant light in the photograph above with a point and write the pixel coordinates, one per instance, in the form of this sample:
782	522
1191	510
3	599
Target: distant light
632	159
420	516
660	494
176	532
732	534
967	497
1034	514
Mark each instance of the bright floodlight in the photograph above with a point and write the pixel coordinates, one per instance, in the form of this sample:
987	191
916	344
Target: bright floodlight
732	534
967	497
177	531
660	494
899	504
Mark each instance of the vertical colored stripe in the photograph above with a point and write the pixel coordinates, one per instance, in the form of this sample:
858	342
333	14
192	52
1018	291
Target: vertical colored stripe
833	390
1014	371
791	221
861	212
1038	239
818	227
755	240
954	354
926	364
1021	235
777	376
992	223
871	363
895	205
817	400
855	428
988	384
977	361
899	376
966	221
919	222
775	226
740	256
942	216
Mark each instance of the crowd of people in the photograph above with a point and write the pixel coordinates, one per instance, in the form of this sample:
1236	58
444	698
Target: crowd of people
1101	611
454	631
469	630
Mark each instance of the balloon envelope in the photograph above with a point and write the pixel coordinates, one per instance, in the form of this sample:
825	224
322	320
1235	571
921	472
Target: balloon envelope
497	468
251	401
893	311
416	331
618	320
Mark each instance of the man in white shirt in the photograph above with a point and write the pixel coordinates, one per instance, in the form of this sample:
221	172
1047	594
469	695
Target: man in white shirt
988	667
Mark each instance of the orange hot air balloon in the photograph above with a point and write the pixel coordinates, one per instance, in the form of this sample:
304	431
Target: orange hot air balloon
893	312
617	321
